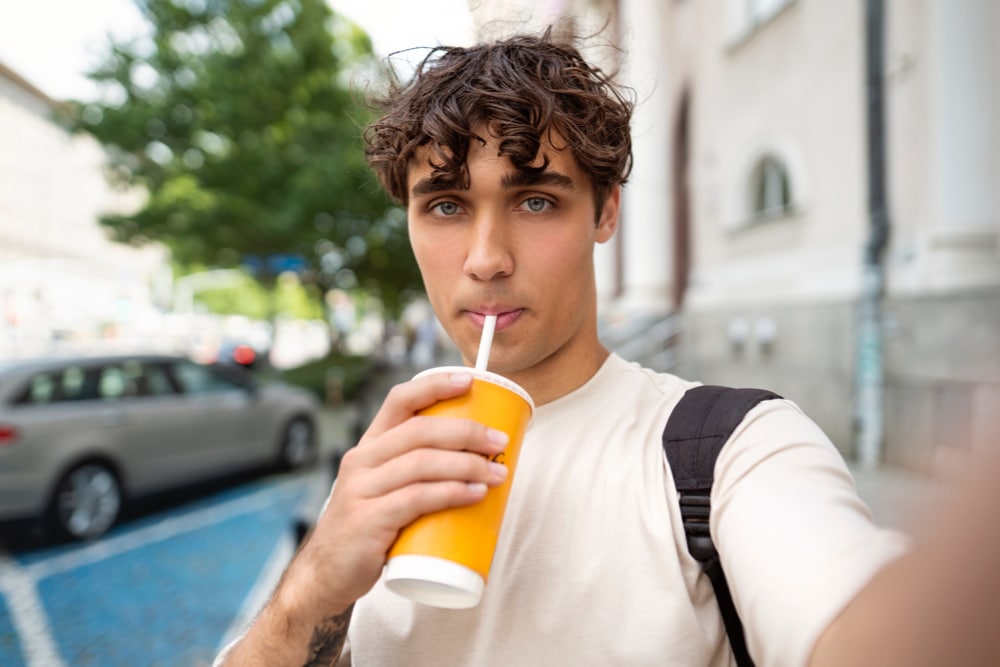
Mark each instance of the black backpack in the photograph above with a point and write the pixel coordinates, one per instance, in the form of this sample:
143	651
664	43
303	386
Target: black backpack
695	432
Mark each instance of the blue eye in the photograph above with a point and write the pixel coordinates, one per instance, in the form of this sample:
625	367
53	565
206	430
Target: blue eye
446	208
536	204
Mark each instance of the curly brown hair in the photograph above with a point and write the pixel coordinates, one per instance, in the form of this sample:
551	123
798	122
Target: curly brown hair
521	90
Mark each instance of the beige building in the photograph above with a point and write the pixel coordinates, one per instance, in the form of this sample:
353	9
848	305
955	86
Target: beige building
63	282
748	211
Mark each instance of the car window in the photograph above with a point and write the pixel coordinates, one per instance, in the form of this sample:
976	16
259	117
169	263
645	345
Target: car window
197	379
42	389
156	381
78	383
116	383
133	378
73	383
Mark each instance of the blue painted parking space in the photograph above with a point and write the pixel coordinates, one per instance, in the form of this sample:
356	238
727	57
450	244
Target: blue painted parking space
165	590
10	645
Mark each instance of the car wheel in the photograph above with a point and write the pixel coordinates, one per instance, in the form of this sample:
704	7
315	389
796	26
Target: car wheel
87	501
298	443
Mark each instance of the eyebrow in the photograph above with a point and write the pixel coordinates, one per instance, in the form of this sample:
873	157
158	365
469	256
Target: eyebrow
426	186
526	178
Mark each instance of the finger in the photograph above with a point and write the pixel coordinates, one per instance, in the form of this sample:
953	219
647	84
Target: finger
426	465
411	502
451	433
407	398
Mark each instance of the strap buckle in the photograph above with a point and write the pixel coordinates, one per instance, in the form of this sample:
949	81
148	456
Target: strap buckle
696	509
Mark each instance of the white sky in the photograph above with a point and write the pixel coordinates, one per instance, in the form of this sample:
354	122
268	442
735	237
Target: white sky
52	42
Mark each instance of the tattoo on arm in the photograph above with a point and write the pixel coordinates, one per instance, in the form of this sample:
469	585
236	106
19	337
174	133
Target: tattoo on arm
328	639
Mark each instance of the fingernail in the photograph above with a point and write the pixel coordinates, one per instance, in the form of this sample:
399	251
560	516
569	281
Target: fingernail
497	437
477	488
461	378
498	470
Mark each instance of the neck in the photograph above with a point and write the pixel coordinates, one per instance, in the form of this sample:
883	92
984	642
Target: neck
553	378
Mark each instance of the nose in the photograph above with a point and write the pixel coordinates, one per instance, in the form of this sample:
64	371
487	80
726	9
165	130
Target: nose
490	249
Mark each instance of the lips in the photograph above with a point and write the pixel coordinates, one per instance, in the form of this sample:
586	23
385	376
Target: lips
505	316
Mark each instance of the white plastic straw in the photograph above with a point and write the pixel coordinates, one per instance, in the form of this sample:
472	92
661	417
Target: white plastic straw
483	357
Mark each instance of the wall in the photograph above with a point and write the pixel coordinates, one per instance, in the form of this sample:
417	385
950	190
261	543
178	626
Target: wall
61	277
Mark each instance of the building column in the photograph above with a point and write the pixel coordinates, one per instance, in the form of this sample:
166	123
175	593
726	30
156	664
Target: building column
606	270
964	248
646	221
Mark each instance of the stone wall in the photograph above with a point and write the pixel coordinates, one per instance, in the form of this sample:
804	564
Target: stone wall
942	368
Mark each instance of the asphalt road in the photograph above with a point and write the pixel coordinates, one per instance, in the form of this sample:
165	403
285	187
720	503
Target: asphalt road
169	586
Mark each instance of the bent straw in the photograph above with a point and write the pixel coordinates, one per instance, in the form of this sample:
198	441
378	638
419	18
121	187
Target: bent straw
485	342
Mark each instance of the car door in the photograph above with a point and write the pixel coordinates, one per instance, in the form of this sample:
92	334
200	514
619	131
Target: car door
54	428
146	417
220	415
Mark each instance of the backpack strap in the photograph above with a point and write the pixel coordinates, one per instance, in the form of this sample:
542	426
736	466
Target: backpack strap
696	430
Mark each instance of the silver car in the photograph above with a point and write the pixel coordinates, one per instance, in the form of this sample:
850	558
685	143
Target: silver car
79	437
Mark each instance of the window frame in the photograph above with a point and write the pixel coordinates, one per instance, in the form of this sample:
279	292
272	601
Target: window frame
749	17
770	193
740	210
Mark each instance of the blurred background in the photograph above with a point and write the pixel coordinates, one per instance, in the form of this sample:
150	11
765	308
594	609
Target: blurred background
813	209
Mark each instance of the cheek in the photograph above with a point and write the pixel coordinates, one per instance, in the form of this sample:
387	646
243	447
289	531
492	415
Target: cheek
431	256
565	257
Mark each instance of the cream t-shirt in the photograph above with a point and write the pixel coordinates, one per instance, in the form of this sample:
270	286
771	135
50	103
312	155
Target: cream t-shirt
592	565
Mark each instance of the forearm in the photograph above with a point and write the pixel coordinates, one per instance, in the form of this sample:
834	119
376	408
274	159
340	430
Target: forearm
295	628
276	639
939	603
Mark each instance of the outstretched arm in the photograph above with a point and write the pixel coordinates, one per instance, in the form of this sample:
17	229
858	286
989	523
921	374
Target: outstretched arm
939	604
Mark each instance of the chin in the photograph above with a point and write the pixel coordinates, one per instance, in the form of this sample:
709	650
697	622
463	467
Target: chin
506	367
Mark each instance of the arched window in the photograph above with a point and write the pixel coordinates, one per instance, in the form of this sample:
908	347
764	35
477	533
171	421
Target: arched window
746	17
770	188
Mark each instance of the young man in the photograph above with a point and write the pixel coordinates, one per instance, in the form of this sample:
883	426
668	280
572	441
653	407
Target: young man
510	159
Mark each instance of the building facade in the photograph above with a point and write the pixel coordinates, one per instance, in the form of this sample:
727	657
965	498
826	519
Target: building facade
749	212
63	282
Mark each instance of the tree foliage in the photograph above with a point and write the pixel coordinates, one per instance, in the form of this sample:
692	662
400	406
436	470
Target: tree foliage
237	118
287	298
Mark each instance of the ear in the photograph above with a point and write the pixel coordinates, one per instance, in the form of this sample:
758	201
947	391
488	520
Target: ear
608	222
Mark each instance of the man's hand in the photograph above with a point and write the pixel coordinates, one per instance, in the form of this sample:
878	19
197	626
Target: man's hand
405	466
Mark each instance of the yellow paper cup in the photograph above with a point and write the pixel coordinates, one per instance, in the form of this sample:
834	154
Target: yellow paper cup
443	559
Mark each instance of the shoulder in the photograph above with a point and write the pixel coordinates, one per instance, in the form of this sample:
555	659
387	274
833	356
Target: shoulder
777	427
623	389
795	539
618	375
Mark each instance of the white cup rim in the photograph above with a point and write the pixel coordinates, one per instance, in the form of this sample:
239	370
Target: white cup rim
488	376
434	581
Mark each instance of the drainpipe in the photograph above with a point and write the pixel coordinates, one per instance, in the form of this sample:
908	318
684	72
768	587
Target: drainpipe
869	371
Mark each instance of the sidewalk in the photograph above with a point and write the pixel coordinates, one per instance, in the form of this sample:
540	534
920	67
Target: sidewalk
342	424
337	428
898	498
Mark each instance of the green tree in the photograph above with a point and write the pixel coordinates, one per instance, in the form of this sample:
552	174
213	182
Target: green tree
288	298
238	119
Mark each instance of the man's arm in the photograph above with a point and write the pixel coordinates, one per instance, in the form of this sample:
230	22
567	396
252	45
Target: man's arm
328	639
290	630
405	466
938	604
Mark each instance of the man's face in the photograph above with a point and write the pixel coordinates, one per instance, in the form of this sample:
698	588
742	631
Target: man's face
516	245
